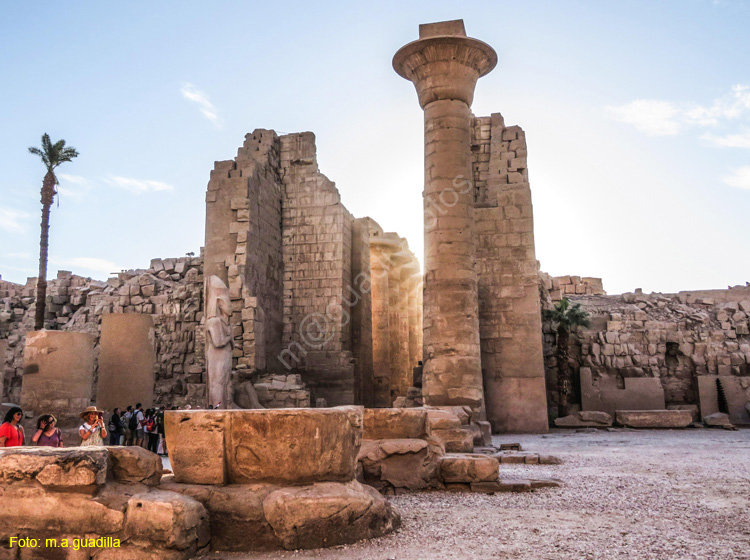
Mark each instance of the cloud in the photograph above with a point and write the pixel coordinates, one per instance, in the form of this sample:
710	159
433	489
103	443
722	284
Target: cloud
653	117
740	178
77	179
191	93
13	220
138	186
20	255
664	118
739	140
88	263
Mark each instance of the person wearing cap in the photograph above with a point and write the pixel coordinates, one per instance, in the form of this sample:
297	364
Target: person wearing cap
92	431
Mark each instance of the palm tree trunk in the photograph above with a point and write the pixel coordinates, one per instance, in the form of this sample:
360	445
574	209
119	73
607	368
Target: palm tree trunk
563	371
48	194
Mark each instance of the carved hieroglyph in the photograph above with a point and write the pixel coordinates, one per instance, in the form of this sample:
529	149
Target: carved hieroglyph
218	343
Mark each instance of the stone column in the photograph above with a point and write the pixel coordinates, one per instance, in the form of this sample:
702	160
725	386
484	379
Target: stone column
444	65
381	250
414	283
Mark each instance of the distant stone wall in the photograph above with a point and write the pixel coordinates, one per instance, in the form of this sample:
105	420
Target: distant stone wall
672	338
559	286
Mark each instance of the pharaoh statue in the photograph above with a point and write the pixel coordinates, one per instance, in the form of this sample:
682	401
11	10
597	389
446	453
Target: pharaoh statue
218	343
219	352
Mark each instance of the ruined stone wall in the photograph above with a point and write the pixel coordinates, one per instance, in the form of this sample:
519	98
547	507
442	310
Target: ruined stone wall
672	340
509	308
170	290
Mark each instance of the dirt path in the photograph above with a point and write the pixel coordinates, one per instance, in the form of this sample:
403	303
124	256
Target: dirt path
637	495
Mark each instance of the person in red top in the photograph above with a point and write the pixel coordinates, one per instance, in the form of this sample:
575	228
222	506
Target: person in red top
11	431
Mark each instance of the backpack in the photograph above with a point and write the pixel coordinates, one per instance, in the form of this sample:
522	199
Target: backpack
150	425
133	423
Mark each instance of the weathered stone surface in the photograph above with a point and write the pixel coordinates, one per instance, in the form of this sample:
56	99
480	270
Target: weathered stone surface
133	552
692	408
736	391
134	464
297	446
328	514
469	468
587	419
172	519
394	423
654	418
717	420
456	440
236	513
195	439
410	464
639	393
68	468
549	460
36	509
442	419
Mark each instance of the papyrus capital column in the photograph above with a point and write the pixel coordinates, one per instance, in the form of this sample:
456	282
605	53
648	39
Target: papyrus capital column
444	65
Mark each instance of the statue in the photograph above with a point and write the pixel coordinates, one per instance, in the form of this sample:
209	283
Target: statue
219	352
218	343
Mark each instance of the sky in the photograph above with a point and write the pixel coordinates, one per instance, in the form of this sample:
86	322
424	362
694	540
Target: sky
637	119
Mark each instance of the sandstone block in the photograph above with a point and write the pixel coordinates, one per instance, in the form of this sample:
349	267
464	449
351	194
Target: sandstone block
654	418
717	420
195	439
590	419
514	485
328	514
442	419
134	464
457	440
174	520
67	468
410	464
469	468
394	423
294	445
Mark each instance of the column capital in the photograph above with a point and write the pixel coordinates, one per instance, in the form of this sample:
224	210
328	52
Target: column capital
444	63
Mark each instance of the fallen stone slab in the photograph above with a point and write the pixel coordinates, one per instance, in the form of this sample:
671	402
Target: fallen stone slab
585	419
654	418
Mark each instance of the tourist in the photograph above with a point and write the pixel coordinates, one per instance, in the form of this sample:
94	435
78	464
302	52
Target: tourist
115	427
140	439
128	432
161	448
150	428
47	433
92	431
11	431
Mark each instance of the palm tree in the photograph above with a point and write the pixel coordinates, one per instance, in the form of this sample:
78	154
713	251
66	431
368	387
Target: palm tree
52	155
566	316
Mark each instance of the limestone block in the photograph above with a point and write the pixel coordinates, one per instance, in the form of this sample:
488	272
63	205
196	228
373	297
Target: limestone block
394	423
328	514
72	468
469	468
195	439
168	518
455	440
654	418
294	445
134	464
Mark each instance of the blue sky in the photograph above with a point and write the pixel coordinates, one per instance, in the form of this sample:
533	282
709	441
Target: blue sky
637	117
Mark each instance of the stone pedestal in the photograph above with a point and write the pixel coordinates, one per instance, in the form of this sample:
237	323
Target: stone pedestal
444	65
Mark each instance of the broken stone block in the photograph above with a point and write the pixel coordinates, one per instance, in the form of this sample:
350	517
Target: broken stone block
717	420
654	418
442	419
69	468
171	519
457	440
394	423
195	439
328	514
410	464
469	468
134	464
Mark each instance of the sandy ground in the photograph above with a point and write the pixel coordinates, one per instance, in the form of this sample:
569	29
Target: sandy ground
637	495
